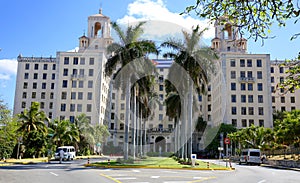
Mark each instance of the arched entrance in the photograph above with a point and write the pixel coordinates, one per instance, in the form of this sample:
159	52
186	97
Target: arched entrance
160	144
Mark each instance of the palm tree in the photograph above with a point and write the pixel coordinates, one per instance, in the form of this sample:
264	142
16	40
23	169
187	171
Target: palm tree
64	132
33	119
129	49
86	132
197	62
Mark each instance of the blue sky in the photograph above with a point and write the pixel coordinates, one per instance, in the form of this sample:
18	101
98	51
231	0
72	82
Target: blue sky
41	28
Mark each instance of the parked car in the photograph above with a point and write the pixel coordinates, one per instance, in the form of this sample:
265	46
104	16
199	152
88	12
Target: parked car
69	153
250	156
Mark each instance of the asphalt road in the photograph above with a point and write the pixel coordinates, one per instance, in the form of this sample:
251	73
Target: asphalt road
74	172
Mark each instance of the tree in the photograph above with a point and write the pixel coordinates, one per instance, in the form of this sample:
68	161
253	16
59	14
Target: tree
8	131
128	50
197	62
256	17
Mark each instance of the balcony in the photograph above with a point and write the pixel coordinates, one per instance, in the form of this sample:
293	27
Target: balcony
77	77
247	79
160	130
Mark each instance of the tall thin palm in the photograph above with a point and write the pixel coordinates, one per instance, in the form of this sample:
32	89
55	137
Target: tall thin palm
129	49
197	62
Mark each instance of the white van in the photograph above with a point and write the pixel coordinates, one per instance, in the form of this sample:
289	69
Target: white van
69	152
250	156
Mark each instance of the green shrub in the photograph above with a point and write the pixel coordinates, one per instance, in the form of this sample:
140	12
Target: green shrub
157	154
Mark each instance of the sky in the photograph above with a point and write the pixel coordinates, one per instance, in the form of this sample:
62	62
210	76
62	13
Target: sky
41	28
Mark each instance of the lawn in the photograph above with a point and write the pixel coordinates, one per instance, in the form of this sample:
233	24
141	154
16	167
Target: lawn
156	162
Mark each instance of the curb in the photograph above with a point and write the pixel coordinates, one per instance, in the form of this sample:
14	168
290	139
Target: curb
280	167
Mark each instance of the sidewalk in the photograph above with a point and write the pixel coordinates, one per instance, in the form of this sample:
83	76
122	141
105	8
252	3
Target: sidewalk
220	162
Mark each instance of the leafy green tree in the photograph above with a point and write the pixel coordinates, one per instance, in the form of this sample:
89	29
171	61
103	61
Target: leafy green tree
8	131
129	49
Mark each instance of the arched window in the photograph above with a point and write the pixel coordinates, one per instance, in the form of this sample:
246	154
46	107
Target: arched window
228	31
97	32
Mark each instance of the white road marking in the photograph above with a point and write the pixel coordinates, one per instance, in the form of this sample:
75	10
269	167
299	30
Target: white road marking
197	177
125	178
175	182
53	174
136	170
155	177
167	171
262	181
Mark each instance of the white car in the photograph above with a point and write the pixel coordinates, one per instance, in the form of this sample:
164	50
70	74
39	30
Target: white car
69	153
250	156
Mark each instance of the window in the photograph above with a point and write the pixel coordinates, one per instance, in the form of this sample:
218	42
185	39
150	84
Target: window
72	107
260	99
45	66
161	79
23	105
122	127
272	79
72	119
243	98
35	76
80	85
160	107
281	79
244	123
260	111
243	110
63	107
113	96
272	89
73	95
33	95
26	75
24	95
233	98
282	99
250	86
112	115
34	85
52	85
259	86
36	66
234	122
251	111
273	99
51	95
43	95
122	106
66	60
75	61
259	75
51	105
74	84
42	105
82	61
25	85
251	122
122	116
233	86
74	72
89	108
292	99
250	98
242	74
161	96
53	67
65	72
53	76
92	60
160	117
44	85
272	69
80	96
65	83
81	72
233	110
249	63
249	74
90	84
90	96
281	69
243	86
258	63
293	108
26	66
63	95
261	122
242	63
282	108
122	96
232	63
233	75
161	87
91	72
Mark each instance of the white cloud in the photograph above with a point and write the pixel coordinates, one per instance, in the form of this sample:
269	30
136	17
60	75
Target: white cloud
74	50
162	21
8	66
4	77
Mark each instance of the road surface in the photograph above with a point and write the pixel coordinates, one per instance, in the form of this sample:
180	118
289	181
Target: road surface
74	172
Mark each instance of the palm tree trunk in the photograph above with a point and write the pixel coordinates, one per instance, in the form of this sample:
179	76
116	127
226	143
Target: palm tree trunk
116	119
190	115
127	120
141	135
134	122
